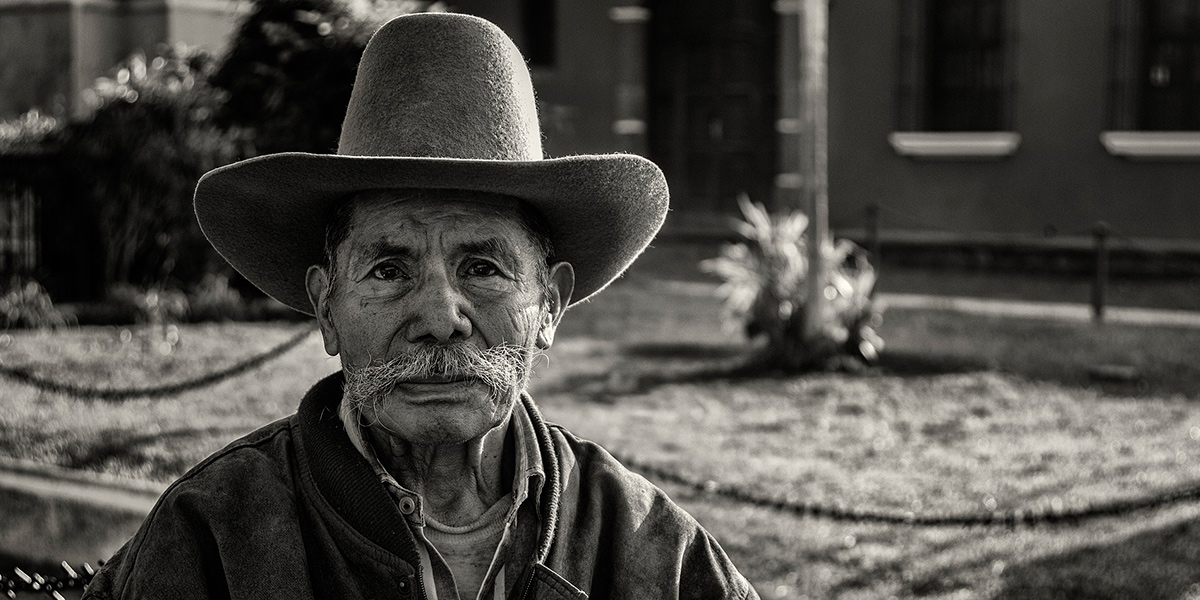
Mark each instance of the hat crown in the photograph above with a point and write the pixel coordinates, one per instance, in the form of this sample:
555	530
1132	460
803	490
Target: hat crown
442	85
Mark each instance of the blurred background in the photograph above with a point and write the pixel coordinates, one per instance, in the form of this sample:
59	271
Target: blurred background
1001	319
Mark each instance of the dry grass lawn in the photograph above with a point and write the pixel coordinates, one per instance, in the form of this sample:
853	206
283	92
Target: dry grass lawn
965	415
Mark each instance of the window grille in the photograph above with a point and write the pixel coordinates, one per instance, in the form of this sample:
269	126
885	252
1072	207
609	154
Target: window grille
955	65
1170	73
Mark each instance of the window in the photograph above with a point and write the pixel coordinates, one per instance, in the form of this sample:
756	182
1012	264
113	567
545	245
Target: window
955	66
966	66
1170	81
1154	80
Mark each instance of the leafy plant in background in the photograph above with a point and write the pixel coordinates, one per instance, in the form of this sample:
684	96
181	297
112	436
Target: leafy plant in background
28	132
136	157
292	63
28	306
764	287
150	306
214	300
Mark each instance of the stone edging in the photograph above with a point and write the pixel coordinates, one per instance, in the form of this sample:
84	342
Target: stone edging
99	489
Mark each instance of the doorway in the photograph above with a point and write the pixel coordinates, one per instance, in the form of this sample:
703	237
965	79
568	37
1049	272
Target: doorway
713	95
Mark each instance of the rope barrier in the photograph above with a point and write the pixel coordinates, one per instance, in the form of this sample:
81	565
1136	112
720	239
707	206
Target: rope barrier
1010	519
160	391
35	582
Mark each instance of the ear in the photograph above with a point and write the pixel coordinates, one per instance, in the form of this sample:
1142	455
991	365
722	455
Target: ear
317	282
561	285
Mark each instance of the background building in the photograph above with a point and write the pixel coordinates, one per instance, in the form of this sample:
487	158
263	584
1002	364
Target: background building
52	50
983	123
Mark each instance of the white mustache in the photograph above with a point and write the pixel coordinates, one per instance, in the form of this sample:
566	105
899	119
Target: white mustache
501	368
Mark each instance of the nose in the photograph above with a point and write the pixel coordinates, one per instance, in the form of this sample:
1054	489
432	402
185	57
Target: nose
437	311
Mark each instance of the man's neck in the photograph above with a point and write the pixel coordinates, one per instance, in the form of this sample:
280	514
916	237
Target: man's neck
457	482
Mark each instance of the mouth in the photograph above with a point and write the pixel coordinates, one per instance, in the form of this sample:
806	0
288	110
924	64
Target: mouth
438	390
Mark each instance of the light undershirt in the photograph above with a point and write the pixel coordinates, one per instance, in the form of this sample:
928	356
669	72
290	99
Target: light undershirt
453	564
470	549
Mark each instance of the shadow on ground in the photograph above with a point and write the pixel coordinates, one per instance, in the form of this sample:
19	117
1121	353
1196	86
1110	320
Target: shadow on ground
1160	564
120	443
639	368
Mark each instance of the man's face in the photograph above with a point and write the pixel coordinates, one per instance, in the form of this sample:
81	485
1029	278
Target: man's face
419	274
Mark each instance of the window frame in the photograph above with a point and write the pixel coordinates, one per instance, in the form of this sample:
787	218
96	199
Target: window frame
1124	136
913	89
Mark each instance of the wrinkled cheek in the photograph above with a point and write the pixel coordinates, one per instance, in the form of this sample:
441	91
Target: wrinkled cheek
524	322
360	337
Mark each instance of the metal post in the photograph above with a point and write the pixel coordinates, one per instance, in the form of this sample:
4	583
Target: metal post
872	231
1101	232
814	154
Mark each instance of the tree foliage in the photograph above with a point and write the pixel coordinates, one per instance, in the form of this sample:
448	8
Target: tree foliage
134	160
764	289
292	64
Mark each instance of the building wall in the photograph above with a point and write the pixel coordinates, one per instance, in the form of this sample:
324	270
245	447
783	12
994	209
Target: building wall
52	50
576	95
35	57
1060	177
102	37
206	23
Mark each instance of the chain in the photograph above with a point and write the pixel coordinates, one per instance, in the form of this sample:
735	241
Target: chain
21	581
160	391
1011	519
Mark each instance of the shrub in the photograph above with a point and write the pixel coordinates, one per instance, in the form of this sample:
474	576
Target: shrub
28	306
30	132
764	286
153	306
214	300
292	63
134	160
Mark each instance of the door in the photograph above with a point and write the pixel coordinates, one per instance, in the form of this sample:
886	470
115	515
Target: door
712	108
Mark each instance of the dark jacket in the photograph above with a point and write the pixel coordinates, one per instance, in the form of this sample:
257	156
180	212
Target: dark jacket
294	511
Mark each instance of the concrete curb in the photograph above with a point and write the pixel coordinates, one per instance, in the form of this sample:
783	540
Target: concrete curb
50	513
1057	311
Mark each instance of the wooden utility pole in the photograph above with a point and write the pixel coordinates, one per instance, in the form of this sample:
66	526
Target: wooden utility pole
814	156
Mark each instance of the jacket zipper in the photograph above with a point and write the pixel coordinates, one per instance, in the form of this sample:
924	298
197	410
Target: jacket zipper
528	585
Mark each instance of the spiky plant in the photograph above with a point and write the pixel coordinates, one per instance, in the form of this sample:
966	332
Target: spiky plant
764	290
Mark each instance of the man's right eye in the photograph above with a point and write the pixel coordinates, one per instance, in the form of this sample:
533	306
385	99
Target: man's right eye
387	272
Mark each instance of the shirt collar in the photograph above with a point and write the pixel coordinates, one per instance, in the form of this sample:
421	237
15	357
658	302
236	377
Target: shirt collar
528	476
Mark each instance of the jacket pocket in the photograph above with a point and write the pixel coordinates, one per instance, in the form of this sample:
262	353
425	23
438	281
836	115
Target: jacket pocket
545	584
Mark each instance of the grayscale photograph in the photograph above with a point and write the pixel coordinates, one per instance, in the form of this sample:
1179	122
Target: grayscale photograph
600	299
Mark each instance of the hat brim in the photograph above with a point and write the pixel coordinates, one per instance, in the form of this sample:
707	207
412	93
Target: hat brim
266	215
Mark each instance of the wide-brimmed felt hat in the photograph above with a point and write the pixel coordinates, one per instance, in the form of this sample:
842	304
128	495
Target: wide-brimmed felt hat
442	102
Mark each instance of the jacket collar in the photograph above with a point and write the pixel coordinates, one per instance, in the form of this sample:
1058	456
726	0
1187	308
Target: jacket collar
342	477
352	488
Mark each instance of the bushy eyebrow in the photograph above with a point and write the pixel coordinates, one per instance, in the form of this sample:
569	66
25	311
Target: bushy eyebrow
497	248
494	247
381	248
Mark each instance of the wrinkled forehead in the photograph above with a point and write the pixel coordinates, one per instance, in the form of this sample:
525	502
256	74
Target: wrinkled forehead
416	215
418	206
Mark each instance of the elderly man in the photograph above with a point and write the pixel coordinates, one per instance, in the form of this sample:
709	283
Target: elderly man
438	251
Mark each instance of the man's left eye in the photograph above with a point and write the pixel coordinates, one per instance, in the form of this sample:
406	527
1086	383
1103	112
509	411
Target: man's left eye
387	271
482	268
